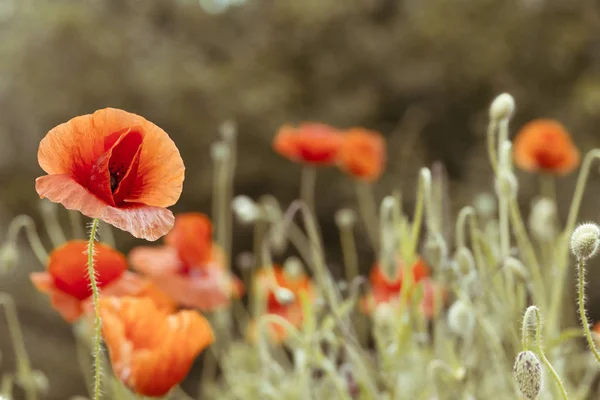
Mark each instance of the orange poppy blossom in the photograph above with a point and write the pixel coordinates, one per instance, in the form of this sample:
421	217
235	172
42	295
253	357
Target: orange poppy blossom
264	286
384	290
67	283
544	145
362	154
190	268
151	350
311	143
115	166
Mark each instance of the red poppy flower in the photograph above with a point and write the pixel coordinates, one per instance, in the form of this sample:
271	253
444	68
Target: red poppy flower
150	349
115	166
544	145
384	290
362	154
292	311
190	268
310	143
66	280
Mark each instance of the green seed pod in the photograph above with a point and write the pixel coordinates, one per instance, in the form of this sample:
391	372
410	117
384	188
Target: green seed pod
528	374
585	241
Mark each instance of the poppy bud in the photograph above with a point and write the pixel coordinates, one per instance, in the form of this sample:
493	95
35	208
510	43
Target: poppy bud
507	184
293	269
245	209
585	241
542	219
485	204
461	319
284	296
528	374
464	260
517	268
502	107
384	315
9	256
219	151
345	218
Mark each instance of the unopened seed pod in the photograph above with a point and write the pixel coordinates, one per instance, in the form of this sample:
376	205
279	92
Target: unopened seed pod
461	319
502	107
585	241
528	374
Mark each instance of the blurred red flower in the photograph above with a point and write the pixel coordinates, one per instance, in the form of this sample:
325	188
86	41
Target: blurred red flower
544	145
362	154
310	143
190	267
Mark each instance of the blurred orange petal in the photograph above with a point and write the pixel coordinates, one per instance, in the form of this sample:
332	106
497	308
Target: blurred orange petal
311	143
544	145
151	350
362	154
69	307
192	237
115	166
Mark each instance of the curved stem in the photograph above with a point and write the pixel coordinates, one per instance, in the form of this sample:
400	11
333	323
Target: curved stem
26	222
491	142
538	343
582	314
23	365
50	217
95	300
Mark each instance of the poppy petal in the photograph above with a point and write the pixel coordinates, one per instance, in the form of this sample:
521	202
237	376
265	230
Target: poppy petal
192	237
155	261
150	350
142	221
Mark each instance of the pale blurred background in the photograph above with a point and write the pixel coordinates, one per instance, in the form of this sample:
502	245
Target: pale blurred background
420	71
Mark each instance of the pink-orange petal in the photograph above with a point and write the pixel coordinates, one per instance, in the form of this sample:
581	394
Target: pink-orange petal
142	221
192	237
155	261
67	306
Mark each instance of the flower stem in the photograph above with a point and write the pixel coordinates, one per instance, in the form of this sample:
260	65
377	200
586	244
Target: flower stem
368	212
540	350
582	314
95	300
25	221
23	366
308	180
76	224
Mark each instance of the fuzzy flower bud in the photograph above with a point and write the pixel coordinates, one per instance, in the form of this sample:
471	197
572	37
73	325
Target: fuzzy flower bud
517	268
461	319
585	241
384	315
528	374
245	209
284	296
345	218
219	151
502	107
464	260
542	219
9	256
507	184
293	268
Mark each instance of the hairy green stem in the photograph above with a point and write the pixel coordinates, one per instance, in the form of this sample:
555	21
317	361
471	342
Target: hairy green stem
95	300
582	313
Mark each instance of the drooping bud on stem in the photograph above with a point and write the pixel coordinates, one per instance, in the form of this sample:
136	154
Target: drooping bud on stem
528	374
585	241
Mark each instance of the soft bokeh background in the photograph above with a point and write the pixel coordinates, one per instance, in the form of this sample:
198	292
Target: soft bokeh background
420	71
